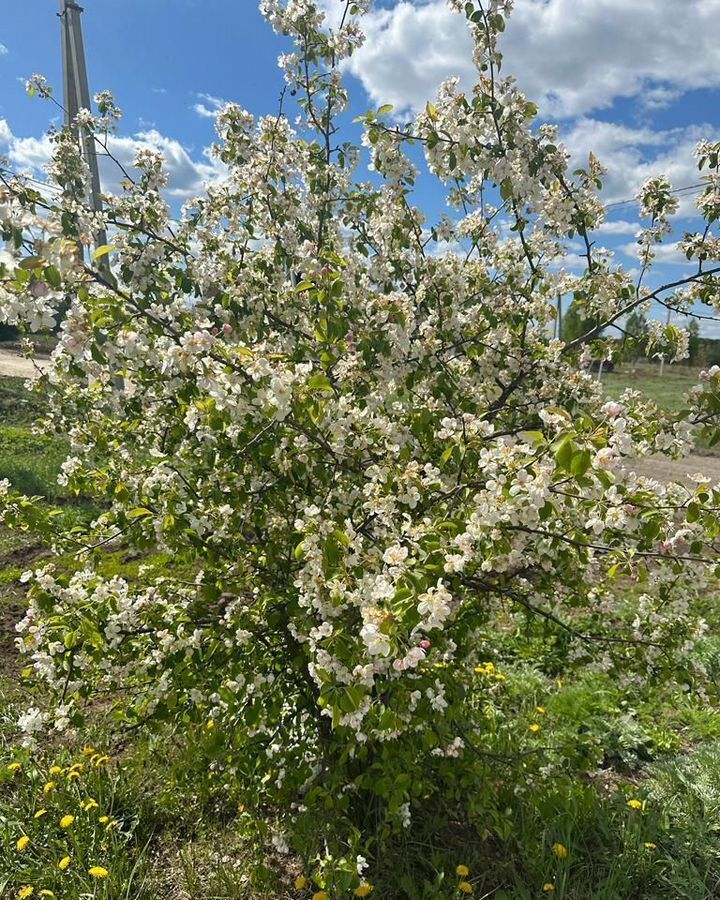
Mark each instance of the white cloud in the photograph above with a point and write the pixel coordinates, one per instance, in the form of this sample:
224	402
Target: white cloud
573	56
667	254
187	174
631	155
619	226
3	50
409	50
208	106
659	97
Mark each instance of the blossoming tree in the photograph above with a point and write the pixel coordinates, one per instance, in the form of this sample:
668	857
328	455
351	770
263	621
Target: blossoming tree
354	430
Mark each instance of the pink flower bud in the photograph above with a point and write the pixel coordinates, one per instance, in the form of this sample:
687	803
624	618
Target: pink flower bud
426	645
227	328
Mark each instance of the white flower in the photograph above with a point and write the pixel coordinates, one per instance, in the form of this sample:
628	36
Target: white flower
606	458
395	555
376	642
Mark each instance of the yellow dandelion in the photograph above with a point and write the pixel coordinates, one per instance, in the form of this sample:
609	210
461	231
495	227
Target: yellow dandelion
67	821
101	761
103	820
320	895
40	813
548	887
72	775
22	843
301	881
26	891
50	786
363	890
91	804
462	871
64	863
98	872
465	887
56	770
540	709
650	846
560	850
210	724
88	750
14	767
635	804
534	728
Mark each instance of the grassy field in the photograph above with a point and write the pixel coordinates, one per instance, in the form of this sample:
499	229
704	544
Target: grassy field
666	390
624	777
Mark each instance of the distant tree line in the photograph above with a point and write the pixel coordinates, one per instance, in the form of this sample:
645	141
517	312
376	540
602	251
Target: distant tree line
702	351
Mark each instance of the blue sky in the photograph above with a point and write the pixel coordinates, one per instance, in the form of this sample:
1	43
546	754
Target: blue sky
636	81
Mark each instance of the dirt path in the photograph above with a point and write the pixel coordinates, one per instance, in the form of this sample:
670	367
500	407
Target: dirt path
663	469
16	366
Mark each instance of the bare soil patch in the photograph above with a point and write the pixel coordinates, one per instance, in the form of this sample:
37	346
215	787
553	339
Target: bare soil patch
662	469
14	365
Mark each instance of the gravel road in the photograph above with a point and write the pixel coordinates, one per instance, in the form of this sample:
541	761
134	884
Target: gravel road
662	469
16	366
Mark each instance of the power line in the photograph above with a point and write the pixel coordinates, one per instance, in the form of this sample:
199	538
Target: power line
680	190
43	184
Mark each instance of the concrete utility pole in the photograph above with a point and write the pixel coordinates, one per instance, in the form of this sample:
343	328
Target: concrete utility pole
76	96
558	319
662	358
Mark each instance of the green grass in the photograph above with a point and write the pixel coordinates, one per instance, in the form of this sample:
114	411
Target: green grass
666	390
31	462
18	406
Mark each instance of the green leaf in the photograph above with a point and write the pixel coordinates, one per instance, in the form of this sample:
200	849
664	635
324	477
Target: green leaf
431	110
581	462
103	251
52	276
447	453
564	454
139	512
385	109
320	382
31	262
506	189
